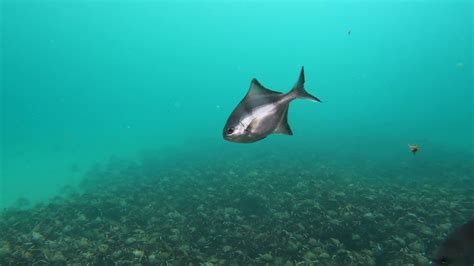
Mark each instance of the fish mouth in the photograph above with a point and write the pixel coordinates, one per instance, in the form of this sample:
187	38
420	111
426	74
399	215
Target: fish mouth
232	138
239	139
226	136
229	138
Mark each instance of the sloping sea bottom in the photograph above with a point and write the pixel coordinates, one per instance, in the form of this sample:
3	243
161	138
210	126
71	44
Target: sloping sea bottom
222	207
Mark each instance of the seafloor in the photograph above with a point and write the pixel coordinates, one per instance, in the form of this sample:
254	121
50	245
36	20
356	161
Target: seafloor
232	208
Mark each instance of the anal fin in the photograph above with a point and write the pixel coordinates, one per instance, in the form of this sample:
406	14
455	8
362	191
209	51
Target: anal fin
283	127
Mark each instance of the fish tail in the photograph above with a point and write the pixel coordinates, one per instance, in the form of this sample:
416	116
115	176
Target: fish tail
298	91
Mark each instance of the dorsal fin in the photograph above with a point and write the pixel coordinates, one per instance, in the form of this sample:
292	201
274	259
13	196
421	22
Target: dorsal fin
283	126
257	89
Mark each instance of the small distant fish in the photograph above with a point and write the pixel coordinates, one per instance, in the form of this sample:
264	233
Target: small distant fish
457	248
413	148
263	112
349	32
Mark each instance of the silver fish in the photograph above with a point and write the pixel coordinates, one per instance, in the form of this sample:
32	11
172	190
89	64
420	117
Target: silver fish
457	248
263	112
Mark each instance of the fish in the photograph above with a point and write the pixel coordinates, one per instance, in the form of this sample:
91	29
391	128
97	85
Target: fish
263	112
349	32
457	248
413	148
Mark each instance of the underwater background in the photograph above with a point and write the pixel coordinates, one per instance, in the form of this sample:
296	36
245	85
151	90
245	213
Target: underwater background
112	115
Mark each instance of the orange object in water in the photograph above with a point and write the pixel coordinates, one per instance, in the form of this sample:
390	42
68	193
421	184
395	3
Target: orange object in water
413	148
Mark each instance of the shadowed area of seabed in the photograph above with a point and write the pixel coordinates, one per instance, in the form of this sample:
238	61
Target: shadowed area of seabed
263	207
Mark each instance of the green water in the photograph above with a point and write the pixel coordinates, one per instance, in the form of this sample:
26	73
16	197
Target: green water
84	81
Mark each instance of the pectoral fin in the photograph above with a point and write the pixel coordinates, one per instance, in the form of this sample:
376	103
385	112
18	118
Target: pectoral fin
252	125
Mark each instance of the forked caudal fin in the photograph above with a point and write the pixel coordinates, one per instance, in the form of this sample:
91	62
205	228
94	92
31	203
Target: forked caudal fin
298	90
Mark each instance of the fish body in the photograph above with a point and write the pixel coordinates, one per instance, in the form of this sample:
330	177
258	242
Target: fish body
457	248
263	112
413	148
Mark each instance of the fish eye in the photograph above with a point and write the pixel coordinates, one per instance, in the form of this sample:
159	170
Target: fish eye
229	131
